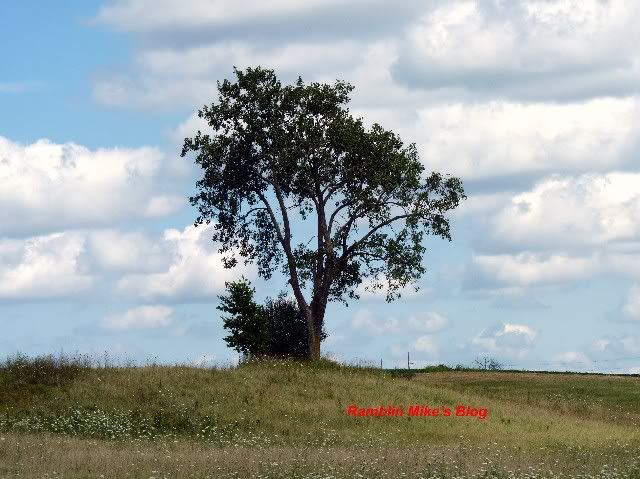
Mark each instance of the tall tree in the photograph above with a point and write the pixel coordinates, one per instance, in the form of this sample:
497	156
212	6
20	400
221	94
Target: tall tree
279	153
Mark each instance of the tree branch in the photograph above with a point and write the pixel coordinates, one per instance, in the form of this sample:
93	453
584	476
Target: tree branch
372	231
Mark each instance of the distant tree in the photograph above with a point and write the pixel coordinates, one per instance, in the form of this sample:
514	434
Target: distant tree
490	364
273	151
246	320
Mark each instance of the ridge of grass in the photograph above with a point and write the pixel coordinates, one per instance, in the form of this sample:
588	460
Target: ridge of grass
574	423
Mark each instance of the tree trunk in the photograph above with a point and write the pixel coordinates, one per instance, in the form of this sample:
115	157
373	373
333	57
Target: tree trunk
314	347
315	319
314	333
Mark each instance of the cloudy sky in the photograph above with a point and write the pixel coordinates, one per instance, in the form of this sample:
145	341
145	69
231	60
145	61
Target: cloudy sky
534	104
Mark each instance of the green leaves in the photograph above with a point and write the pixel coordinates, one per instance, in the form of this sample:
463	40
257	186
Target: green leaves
246	321
276	329
278	156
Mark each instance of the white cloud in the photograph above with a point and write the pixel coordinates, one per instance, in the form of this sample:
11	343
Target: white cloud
113	250
365	320
49	186
572	357
480	140
616	347
43	267
180	265
631	307
588	210
429	322
630	344
563	230
509	339
139	318
423	322
196	271
426	344
529	49
527	269
166	77
188	128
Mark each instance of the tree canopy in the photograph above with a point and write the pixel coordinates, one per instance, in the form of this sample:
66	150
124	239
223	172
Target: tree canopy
276	154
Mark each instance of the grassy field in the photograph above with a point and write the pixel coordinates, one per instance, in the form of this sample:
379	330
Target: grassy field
62	418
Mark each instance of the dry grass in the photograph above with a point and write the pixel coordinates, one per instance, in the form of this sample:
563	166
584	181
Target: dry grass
288	419
44	455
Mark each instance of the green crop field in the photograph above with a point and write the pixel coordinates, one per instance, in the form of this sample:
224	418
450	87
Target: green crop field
62	418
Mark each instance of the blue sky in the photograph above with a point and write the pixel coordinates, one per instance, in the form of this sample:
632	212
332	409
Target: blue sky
535	105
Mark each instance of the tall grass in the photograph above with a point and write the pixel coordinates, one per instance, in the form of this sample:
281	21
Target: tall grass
279	411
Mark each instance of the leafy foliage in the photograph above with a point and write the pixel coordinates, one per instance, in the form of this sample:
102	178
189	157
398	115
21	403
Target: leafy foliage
274	151
288	328
247	323
278	328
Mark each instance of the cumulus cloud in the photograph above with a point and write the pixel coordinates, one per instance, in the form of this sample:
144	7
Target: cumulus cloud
482	140
51	187
133	251
194	273
423	322
166	77
563	230
180	265
587	210
539	49
506	339
527	269
533	50
139	318
43	267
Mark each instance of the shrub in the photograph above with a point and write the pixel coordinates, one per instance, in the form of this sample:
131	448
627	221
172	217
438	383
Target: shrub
247	323
287	328
277	329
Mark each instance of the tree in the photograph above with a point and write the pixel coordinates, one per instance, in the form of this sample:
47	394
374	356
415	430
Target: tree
275	152
247	323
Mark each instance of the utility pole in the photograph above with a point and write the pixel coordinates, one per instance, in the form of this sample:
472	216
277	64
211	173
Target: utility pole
408	363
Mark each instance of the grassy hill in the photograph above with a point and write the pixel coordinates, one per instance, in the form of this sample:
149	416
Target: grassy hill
289	419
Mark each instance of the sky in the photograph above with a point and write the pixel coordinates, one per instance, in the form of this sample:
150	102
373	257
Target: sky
534	104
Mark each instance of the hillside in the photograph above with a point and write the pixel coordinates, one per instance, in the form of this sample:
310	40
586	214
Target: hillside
289	419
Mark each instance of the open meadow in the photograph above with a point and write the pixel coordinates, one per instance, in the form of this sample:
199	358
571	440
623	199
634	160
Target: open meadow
62	418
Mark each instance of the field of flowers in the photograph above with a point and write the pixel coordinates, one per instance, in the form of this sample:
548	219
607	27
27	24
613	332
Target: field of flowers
65	417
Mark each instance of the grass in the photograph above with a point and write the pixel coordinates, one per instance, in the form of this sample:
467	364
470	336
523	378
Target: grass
288	419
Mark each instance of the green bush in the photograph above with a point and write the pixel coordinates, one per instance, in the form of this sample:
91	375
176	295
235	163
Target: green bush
277	329
247	322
